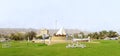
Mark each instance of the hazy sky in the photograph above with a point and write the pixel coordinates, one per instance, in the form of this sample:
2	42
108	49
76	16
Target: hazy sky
91	15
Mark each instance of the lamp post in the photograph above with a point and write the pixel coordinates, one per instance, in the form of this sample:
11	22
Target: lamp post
80	35
43	36
28	39
67	36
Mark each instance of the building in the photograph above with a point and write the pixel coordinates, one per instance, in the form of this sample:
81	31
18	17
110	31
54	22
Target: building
59	36
44	31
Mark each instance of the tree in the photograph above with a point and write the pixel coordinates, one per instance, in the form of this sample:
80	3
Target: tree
96	36
75	35
103	34
82	35
112	34
17	36
39	37
30	35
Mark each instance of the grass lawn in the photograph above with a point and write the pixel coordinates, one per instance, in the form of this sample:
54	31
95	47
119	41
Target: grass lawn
104	48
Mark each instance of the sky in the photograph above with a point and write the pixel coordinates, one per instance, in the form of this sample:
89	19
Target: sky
89	15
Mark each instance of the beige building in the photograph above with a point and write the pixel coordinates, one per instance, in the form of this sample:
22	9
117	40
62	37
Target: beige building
59	37
44	31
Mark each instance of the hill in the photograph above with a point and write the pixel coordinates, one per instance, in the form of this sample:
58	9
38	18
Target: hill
51	31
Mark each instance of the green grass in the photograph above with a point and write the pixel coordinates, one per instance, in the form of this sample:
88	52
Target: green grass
104	48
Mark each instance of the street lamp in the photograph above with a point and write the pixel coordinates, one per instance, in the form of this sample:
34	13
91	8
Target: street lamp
43	36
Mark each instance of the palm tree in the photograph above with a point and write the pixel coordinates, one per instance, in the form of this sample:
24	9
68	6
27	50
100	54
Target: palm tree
113	34
30	35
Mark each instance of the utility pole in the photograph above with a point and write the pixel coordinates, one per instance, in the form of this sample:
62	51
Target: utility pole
43	36
28	39
55	24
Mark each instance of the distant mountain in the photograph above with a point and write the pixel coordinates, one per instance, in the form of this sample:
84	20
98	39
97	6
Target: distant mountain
69	31
51	31
14	30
